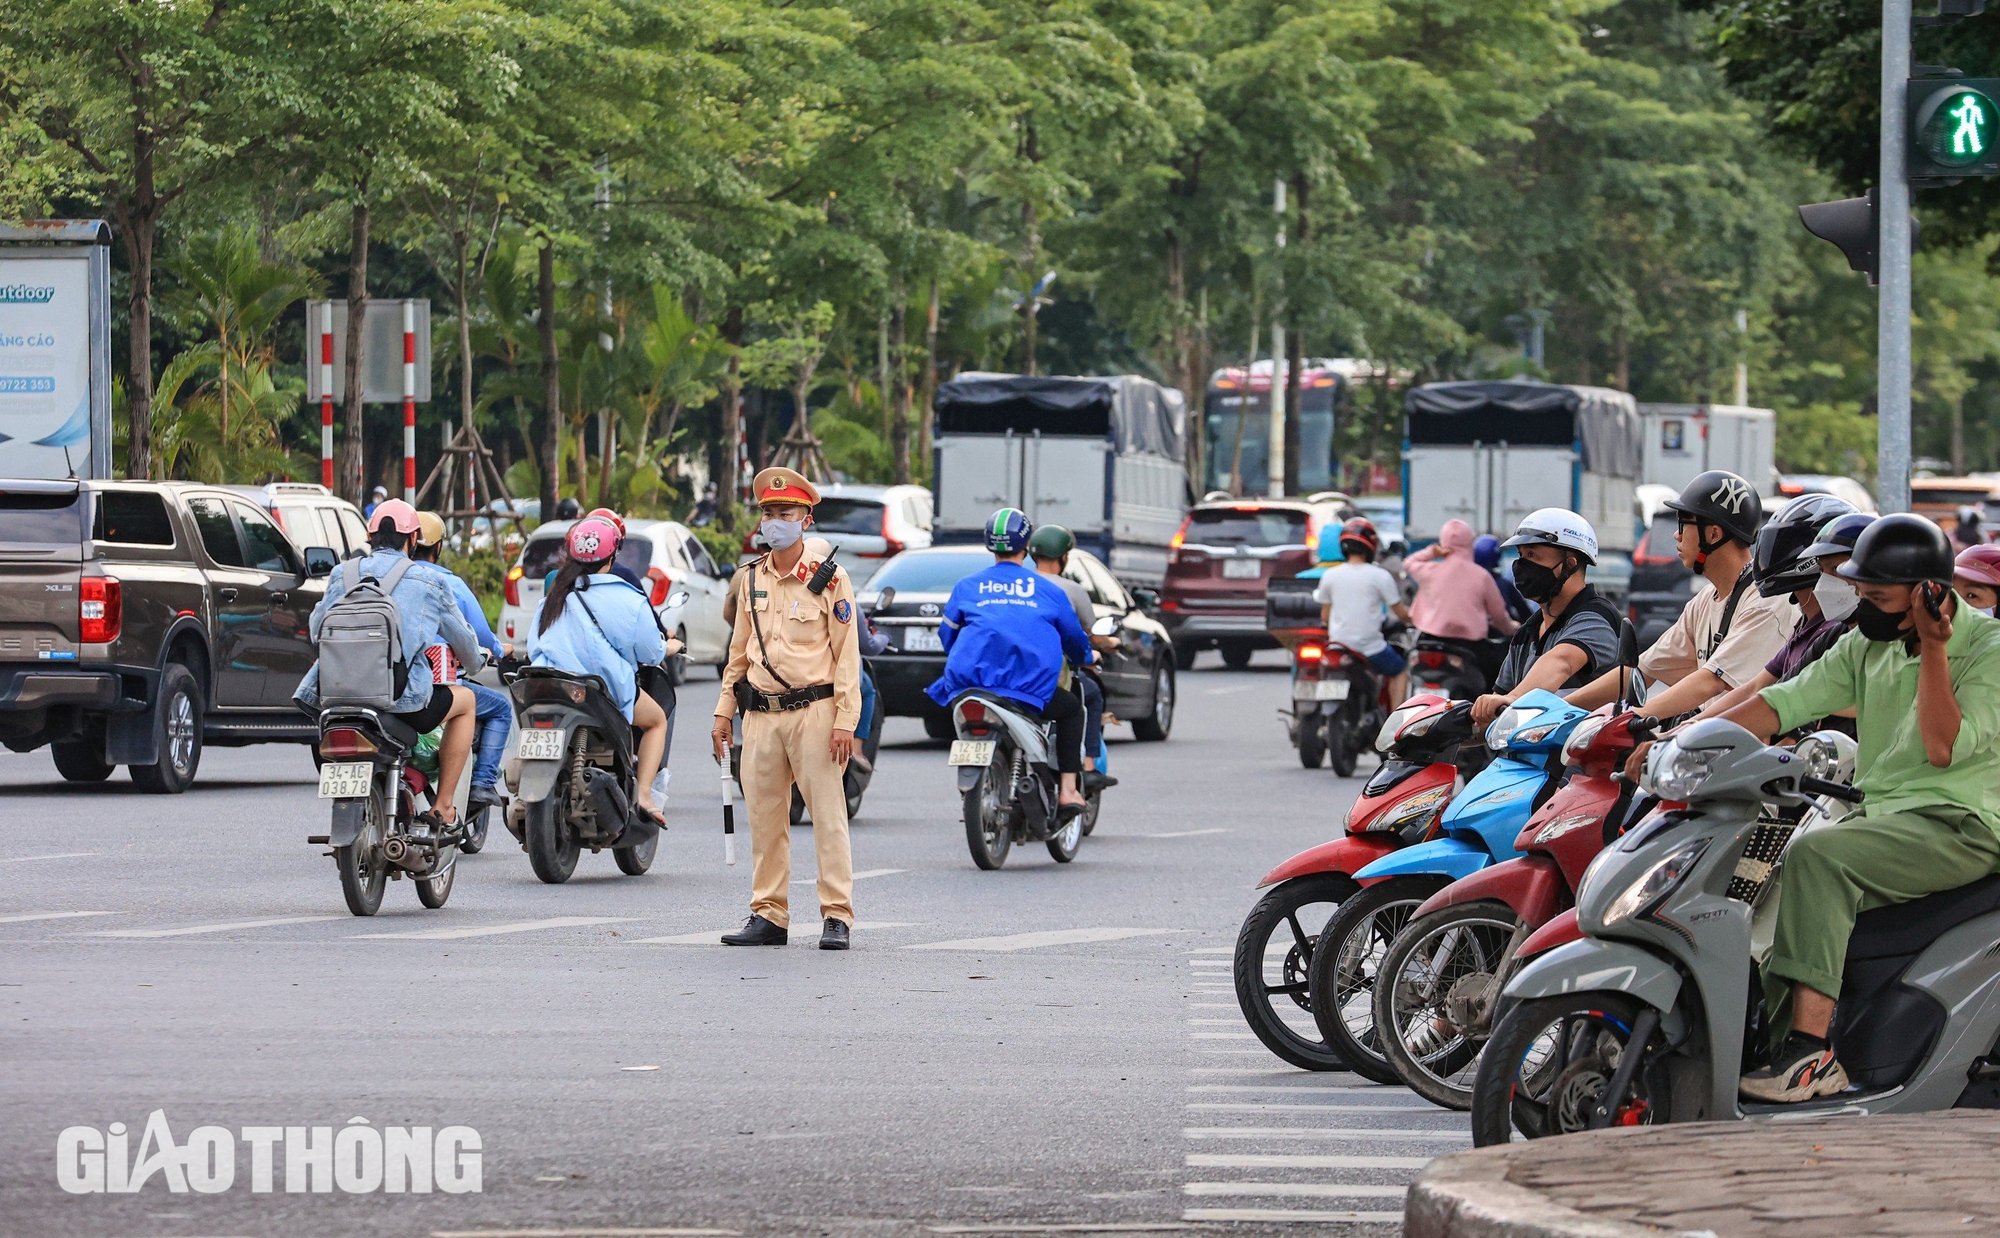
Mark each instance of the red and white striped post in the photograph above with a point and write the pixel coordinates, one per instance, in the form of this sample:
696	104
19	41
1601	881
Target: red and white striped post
326	395
409	401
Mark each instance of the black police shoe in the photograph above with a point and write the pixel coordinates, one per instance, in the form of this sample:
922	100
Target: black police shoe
834	935
757	931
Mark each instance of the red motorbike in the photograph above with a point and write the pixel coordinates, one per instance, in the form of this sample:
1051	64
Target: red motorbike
1451	961
1399	806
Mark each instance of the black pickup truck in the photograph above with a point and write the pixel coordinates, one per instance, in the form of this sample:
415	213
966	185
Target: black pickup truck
142	620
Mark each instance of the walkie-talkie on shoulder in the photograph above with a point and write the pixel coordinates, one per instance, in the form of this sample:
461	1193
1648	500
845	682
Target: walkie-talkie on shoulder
823	574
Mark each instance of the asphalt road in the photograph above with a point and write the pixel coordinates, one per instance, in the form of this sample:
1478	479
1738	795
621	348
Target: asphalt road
1048	1048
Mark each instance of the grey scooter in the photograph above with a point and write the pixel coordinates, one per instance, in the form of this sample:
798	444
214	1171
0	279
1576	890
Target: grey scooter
1665	965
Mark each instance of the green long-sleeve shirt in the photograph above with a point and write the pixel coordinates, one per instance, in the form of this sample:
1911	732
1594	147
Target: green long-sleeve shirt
1879	678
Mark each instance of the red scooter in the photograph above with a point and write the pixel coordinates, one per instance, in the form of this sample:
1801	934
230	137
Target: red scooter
1451	961
1399	806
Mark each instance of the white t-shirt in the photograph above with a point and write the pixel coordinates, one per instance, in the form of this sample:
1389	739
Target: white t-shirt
1361	595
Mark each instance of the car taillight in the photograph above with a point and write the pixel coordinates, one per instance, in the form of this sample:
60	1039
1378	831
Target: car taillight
661	583
100	610
346	742
1180	535
513	587
890	546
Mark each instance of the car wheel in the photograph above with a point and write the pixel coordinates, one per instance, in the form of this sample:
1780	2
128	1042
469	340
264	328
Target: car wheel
1236	657
78	760
937	725
1184	656
177	726
1158	723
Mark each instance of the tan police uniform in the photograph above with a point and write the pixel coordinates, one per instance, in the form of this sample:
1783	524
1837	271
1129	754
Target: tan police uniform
811	642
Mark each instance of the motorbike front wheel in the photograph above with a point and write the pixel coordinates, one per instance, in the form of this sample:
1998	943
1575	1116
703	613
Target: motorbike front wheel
987	834
552	843
1548	1063
1437	984
433	891
363	872
1345	962
1064	842
1271	985
634	860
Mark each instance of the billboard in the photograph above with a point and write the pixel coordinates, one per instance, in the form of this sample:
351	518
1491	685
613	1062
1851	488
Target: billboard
55	350
381	350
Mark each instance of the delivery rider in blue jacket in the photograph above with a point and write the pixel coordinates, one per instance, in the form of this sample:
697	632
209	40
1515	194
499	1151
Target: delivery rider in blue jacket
1006	631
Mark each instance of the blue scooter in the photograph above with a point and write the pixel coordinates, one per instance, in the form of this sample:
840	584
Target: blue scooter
1477	828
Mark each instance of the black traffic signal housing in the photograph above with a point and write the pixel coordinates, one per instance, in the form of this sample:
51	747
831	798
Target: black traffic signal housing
1853	224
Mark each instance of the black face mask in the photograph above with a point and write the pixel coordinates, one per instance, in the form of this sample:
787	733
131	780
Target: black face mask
1877	624
1537	583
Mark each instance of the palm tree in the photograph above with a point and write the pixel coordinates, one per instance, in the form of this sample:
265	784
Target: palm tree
227	284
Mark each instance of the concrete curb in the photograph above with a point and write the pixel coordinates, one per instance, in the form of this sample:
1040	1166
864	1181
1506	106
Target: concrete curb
1467	1195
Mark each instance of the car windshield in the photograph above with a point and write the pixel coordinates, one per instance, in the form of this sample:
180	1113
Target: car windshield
42	516
835	515
543	555
931	572
1247	526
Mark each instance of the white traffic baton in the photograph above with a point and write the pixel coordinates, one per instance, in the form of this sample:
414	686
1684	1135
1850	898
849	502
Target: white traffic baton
728	816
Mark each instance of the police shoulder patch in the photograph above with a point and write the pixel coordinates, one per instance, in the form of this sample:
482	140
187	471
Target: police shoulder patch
842	611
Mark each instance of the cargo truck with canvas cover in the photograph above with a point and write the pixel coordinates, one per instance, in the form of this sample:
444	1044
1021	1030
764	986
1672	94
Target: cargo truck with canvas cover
1488	453
1103	457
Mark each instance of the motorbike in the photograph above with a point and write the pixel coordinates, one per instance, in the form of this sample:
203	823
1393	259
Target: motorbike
1398	807
575	781
1460	669
1437	982
1652	1016
378	799
1006	766
1476	830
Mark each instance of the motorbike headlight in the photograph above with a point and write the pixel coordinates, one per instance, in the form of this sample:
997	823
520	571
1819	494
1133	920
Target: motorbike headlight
1510	720
1416	808
1563	825
1392	726
1676	773
1582	737
1655	883
1828	755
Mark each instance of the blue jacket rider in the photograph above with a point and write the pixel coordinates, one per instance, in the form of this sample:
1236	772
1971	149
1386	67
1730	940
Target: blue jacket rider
1007	633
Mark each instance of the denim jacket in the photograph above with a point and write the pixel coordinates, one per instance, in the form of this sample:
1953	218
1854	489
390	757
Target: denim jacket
428	612
624	636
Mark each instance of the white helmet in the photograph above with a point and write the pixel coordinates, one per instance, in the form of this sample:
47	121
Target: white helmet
1558	527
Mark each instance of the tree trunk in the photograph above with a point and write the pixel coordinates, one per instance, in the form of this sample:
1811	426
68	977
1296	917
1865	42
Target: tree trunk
732	418
1621	356
552	415
899	427
1295	340
1028	306
1958	436
930	376
350	473
139	234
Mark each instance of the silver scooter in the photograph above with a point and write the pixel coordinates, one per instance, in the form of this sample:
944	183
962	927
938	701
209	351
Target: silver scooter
1006	767
1665	964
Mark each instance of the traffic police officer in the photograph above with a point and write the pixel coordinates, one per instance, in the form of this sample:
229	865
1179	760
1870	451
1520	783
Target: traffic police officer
795	670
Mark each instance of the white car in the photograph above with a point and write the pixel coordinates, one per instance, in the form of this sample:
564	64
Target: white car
865	522
664	554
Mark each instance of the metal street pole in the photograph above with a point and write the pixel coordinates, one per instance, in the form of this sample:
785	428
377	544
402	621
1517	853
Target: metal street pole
1892	339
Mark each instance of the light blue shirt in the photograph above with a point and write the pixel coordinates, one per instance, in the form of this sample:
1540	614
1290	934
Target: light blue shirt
474	614
426	611
625	636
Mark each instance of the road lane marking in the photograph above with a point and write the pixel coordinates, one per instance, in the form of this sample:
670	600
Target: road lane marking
65	855
1311	1132
494	930
1308	1089
713	937
1188	833
194	930
592	1232
1279	1216
1280	1160
1047	937
1221	1022
1252	1106
24	917
1037	1227
1308	1190
863	875
1222	1036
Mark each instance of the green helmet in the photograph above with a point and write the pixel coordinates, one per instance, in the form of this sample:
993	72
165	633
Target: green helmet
1051	541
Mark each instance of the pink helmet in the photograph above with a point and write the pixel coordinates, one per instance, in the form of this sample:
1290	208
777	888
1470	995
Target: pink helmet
395	513
593	540
1978	565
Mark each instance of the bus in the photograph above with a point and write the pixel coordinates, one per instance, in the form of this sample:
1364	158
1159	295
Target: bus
1237	425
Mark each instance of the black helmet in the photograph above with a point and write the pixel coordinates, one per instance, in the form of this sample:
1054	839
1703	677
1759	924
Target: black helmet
568	509
1900	550
1839	534
1781	564
1722	499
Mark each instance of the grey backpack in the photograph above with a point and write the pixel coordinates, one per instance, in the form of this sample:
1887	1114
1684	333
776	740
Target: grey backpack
361	660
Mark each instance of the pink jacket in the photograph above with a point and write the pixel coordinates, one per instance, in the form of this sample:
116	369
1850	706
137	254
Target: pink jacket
1455	596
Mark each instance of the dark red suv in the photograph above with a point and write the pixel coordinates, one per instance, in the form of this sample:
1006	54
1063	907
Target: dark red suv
1223	557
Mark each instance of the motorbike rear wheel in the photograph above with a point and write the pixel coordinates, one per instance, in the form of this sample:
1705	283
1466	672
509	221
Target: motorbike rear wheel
1549	1062
1440	968
634	860
1278	1006
1312	740
552	842
1342	744
364	874
987	833
1346	960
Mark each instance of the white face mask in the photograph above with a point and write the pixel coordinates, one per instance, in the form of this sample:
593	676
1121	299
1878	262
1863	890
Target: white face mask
782	534
1837	598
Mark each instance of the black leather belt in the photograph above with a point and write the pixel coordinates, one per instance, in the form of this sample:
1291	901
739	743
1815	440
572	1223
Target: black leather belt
797	698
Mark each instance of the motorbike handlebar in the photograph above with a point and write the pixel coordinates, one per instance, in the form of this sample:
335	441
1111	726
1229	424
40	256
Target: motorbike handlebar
1838	790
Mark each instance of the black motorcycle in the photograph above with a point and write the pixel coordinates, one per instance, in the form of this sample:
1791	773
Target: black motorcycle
577	777
381	828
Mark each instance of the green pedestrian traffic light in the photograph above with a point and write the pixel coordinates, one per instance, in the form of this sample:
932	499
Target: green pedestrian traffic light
1954	128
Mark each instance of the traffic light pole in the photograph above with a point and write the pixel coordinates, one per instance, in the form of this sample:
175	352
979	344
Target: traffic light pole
1892	339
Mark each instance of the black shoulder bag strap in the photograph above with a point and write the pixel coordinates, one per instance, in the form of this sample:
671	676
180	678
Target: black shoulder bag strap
1728	613
763	652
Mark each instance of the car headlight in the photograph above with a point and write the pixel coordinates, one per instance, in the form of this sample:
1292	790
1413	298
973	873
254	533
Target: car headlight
1655	883
1416	808
1581	738
1676	773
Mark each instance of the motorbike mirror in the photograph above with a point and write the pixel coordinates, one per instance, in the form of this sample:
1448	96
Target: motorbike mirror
1106	625
678	597
321	560
1148	599
885	599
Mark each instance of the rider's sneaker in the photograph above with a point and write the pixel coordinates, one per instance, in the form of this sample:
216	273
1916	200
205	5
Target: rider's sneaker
1801	1069
482	798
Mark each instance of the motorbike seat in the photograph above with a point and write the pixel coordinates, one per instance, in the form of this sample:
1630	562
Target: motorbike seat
1883	1029
1907	928
398	731
393	729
